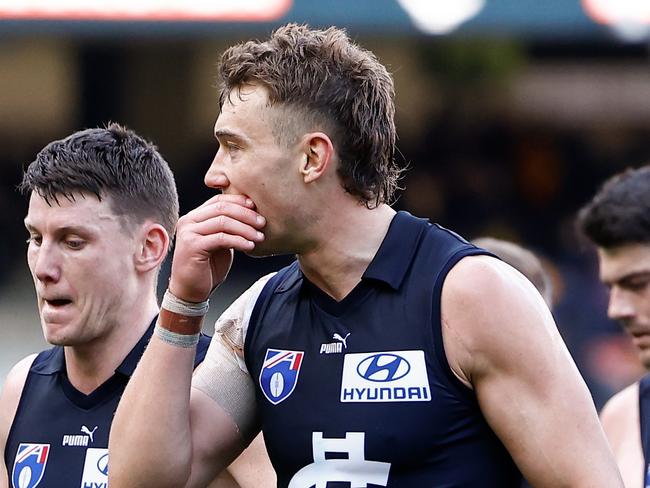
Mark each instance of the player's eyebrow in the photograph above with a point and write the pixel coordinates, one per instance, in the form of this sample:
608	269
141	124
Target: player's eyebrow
67	229
635	276
627	278
228	134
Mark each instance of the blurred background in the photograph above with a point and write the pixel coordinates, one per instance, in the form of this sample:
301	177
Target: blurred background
510	113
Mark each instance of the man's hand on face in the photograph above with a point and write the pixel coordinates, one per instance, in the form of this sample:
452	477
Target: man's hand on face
205	240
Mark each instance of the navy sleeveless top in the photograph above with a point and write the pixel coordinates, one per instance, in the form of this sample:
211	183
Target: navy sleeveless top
358	393
644	421
59	436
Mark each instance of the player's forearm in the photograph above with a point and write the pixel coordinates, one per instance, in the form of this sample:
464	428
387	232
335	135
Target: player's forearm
150	440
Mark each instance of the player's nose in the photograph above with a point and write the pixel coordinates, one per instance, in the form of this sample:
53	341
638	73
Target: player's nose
621	305
215	177
45	264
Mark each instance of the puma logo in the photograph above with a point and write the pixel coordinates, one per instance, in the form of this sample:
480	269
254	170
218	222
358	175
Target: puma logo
338	337
88	432
335	347
77	440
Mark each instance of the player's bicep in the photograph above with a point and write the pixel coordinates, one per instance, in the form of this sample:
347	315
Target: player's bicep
527	384
216	440
222	411
224	378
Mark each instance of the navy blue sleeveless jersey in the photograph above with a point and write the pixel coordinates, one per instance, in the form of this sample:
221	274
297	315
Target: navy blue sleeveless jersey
644	421
358	393
59	436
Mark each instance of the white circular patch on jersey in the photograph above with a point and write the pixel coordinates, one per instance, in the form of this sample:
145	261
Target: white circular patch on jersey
25	477
277	384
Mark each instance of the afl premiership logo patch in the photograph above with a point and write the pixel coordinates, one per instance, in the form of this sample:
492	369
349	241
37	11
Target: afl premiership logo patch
279	374
390	376
29	466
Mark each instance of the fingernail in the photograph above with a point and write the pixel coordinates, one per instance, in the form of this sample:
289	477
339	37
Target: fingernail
260	220
249	202
260	235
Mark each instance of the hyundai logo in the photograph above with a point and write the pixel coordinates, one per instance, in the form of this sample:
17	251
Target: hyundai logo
102	464
383	367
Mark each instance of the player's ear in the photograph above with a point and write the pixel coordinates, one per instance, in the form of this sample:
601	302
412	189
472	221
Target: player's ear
152	246
318	152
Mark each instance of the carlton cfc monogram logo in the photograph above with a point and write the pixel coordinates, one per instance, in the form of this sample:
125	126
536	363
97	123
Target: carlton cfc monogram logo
279	374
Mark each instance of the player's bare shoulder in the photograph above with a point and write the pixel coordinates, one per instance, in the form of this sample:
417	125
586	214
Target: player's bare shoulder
232	325
488	310
620	415
482	291
621	423
9	398
13	387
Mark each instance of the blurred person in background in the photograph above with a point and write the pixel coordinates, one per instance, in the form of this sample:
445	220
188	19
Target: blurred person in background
617	221
391	353
524	261
102	210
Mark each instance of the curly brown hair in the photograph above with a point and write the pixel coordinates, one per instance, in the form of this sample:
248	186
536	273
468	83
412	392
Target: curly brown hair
326	82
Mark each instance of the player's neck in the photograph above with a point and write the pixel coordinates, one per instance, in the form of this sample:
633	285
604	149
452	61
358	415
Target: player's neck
91	364
349	242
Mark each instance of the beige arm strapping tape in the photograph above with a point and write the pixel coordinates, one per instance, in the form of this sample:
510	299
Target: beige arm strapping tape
223	375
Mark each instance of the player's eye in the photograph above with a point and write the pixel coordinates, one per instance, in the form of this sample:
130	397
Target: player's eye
34	239
74	243
637	285
232	147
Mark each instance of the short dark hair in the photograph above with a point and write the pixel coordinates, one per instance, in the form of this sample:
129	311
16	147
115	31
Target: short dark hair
330	84
620	212
110	162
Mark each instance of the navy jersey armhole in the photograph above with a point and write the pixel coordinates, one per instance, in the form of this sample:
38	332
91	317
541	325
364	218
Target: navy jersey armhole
40	358
260	304
644	417
460	387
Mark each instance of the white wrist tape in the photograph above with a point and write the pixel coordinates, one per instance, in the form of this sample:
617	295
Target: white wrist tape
175	339
180	306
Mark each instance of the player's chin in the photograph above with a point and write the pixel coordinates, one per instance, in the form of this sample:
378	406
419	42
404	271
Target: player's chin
259	252
264	249
55	336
